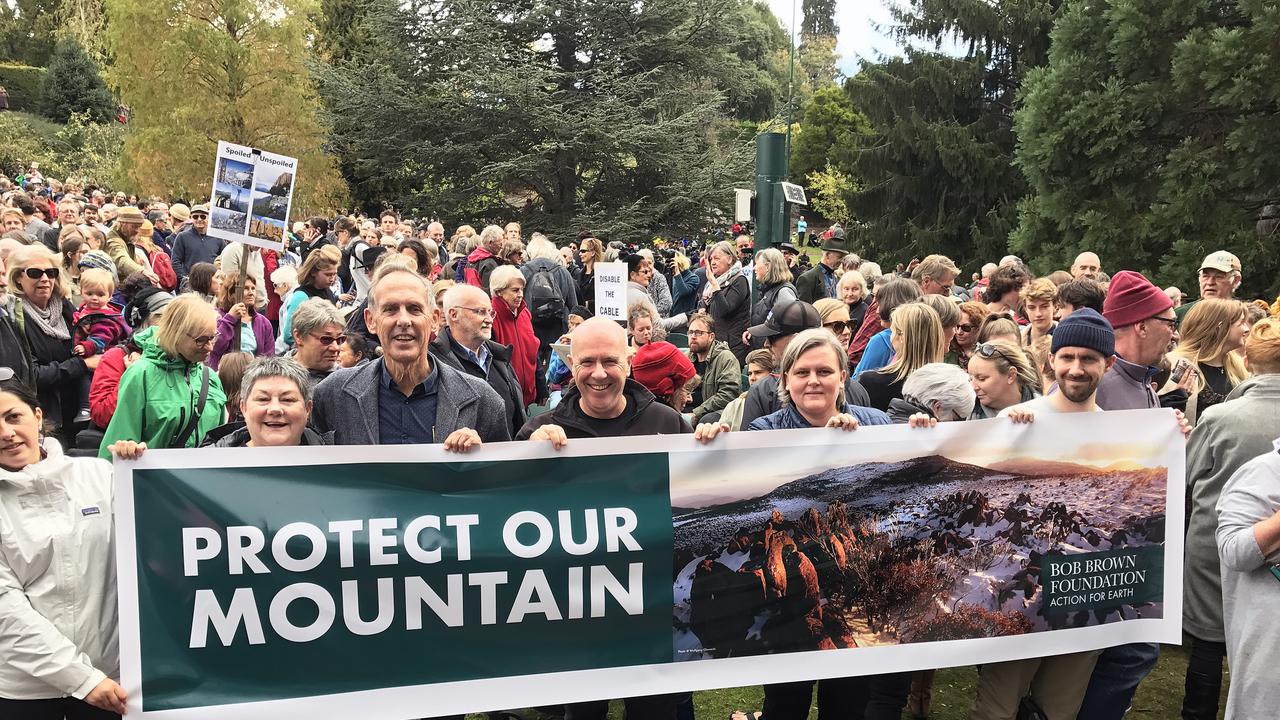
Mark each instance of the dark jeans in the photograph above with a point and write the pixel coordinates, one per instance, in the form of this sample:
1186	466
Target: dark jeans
657	707
873	697
1115	680
58	709
1204	680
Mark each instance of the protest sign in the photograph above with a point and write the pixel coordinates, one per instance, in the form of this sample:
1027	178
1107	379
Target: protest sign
252	194
611	290
403	581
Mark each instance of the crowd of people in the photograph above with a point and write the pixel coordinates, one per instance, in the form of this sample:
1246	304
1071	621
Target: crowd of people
126	326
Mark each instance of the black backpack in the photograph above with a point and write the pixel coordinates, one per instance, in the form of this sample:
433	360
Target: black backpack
543	296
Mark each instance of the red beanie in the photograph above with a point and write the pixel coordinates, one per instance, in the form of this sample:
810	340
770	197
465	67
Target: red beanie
661	368
1131	298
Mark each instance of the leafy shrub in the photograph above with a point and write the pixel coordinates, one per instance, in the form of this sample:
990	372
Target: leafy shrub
81	149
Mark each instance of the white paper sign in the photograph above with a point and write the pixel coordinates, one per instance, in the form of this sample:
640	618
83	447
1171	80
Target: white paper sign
252	195
611	290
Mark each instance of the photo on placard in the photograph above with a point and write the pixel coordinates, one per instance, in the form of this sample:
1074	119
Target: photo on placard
273	180
274	207
231	197
234	173
228	220
266	228
930	548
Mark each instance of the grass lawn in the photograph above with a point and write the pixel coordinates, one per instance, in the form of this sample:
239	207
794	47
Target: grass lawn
1159	697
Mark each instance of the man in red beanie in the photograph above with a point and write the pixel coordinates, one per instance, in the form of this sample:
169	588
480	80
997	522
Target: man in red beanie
666	372
1142	315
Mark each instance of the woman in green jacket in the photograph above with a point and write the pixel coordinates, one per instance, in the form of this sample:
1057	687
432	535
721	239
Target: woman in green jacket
169	398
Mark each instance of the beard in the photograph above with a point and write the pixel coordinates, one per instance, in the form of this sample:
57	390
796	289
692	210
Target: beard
1079	391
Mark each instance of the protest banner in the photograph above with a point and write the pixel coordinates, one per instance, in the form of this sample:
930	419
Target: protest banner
611	290
252	194
404	581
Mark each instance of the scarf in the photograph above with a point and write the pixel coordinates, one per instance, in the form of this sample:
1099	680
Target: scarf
721	279
50	320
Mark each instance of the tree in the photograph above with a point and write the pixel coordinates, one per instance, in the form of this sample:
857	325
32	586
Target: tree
938	176
828	192
28	29
819	19
73	85
217	70
563	114
1149	139
85	22
830	125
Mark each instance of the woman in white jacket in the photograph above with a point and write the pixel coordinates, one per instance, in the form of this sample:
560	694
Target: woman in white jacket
58	623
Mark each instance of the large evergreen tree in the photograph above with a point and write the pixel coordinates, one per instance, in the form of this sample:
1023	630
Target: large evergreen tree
566	114
1150	139
73	85
217	70
937	175
819	19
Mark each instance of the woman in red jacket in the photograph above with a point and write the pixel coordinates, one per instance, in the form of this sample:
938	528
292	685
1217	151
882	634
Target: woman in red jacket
513	325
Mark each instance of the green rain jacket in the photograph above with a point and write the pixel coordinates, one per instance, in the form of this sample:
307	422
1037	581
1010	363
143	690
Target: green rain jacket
157	395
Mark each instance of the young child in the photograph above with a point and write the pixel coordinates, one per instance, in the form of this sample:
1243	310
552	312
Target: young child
98	325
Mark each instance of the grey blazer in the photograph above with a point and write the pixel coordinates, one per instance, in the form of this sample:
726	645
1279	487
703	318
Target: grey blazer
346	403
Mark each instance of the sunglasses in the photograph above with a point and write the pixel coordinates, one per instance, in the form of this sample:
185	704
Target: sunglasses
35	273
327	340
837	327
964	328
988	351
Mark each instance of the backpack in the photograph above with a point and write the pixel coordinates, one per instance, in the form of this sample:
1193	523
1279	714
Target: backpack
344	267
543	296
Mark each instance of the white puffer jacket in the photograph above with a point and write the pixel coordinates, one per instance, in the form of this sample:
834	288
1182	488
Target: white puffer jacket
58	617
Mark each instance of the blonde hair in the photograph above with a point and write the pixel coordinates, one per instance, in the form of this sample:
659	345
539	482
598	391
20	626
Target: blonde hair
948	310
18	260
803	343
185	316
97	277
1262	347
318	260
1009	355
777	272
1205	330
680	262
1039	289
921	329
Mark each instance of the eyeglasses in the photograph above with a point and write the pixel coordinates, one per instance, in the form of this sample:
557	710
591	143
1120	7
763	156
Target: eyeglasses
836	327
964	328
327	340
698	333
988	351
1171	322
482	312
202	340
35	273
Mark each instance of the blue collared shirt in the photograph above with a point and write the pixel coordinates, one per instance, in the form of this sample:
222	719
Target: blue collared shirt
481	358
407	420
829	280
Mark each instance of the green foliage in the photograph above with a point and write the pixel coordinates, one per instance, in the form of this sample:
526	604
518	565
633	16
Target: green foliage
828	192
28	29
25	85
1150	139
819	18
73	85
80	149
938	173
613	116
829	127
219	70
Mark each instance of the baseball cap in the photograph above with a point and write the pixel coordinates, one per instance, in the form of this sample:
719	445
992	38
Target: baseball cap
787	317
1221	260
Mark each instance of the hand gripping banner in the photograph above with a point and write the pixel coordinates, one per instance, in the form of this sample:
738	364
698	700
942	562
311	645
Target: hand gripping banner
406	582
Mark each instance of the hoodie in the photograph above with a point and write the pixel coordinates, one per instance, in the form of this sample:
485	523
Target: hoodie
643	415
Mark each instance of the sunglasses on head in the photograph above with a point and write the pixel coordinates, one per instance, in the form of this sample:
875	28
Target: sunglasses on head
988	351
35	273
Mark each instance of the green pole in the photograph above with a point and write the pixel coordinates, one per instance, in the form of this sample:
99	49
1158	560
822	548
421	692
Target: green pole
791	81
771	168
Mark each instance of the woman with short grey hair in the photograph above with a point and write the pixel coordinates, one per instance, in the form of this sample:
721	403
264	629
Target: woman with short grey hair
774	280
275	402
318	337
937	390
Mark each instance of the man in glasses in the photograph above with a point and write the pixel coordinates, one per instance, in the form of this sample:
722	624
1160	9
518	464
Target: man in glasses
936	275
466	344
716	364
1143	318
193	245
1219	277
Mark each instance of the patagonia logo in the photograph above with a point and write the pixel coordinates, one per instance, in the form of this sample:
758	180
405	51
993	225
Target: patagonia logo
91	510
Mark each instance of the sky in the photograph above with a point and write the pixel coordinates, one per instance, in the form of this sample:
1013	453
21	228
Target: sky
859	38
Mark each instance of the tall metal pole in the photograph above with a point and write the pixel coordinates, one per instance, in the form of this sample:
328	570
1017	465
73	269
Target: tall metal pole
771	168
791	81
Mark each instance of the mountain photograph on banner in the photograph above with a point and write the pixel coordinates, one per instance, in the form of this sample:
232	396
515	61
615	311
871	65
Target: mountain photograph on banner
925	549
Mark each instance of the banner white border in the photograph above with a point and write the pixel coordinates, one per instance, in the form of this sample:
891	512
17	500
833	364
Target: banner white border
579	685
